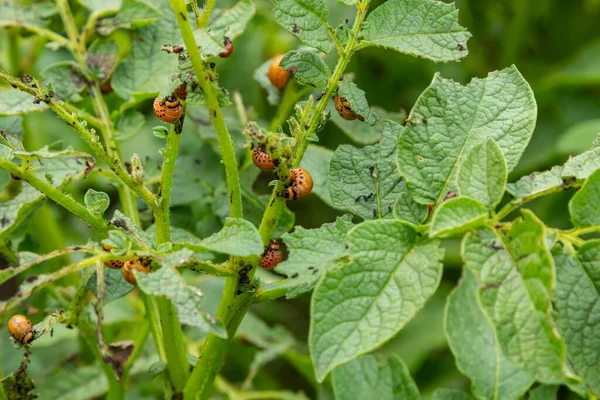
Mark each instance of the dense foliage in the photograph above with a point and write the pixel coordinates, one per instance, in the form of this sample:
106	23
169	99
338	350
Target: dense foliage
288	217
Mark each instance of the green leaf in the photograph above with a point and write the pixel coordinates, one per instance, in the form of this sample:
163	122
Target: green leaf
67	80
313	252
14	211
358	307
365	133
13	102
83	382
146	70
133	14
544	392
577	303
585	204
473	342
422	28
101	58
456	216
365	181
374	377
101	5
169	283
316	160
115	286
307	68
516	275
129	123
582	165
579	137
233	21
449	119
449	394
14	14
260	75
482	175
406	209
210	45
96	202
358	101
195	174
305	19
237	238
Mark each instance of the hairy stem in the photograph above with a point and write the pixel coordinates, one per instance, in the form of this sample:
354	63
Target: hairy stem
225	142
208	7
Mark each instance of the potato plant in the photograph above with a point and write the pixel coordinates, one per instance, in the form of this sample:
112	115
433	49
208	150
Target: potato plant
148	228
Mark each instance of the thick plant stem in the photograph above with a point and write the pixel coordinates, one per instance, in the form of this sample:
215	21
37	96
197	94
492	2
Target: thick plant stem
56	195
177	363
273	211
225	142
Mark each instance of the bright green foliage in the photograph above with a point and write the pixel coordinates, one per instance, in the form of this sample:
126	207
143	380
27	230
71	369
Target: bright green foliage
583	165
132	15
516	275
358	101
374	377
577	303
232	21
456	216
585	204
365	181
13	102
358	307
305	19
482	175
423	28
313	252
449	119
168	282
238	237
476	349
96	202
99	5
210	46
406	209
15	210
307	67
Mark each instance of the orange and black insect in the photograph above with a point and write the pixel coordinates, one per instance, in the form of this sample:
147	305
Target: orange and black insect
272	255
228	48
262	159
277	75
181	92
300	186
169	110
131	265
113	264
21	329
343	108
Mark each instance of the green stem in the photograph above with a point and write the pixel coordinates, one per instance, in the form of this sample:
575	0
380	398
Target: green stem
585	231
72	33
56	195
276	202
177	363
206	12
151	313
139	341
55	37
225	142
89	137
290	98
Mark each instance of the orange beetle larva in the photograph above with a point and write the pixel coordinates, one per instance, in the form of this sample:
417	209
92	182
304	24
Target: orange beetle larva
21	329
131	265
277	75
343	108
272	255
228	48
181	92
301	184
262	159
169	111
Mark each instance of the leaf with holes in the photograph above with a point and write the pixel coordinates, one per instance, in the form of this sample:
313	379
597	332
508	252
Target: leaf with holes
517	277
423	28
358	101
365	181
305	19
449	119
358	307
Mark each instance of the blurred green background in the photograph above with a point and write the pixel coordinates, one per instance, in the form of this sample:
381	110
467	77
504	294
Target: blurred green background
554	43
